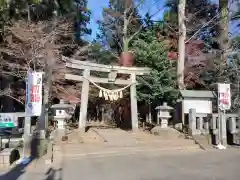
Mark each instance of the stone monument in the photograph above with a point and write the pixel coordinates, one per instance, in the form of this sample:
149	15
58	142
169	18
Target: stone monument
162	129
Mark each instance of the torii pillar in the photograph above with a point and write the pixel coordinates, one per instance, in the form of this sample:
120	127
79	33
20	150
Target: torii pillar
133	97
84	101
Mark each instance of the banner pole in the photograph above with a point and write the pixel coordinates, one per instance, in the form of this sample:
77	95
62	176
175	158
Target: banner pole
221	120
27	127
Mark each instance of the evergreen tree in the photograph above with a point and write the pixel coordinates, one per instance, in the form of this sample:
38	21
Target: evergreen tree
161	83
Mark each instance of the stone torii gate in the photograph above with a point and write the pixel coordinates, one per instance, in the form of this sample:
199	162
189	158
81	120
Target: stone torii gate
112	71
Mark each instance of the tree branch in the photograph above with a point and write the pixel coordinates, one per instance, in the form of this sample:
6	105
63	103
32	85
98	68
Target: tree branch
140	28
204	25
7	92
15	99
133	9
130	38
113	54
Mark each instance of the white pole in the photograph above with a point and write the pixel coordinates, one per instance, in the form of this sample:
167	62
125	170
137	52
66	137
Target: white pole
27	120
220	120
27	128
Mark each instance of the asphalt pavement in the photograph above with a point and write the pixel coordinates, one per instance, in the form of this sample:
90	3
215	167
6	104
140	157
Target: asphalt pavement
199	165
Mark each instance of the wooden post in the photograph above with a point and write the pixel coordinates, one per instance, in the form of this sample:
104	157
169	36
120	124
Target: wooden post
84	100
134	111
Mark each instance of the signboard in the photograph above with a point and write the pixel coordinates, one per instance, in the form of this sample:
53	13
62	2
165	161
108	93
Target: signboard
34	94
224	96
202	106
8	120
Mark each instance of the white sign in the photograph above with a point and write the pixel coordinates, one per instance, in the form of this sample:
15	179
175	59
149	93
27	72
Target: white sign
8	120
224	96
34	94
203	106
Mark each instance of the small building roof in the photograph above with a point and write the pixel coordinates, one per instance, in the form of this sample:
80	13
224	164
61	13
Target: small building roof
196	94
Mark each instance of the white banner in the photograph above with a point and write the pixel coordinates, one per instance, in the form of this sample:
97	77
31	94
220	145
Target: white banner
224	96
34	93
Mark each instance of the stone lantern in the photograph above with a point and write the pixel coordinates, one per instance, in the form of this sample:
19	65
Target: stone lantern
163	115
62	113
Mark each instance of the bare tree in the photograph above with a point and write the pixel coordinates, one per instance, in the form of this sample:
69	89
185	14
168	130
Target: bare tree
37	47
32	46
126	19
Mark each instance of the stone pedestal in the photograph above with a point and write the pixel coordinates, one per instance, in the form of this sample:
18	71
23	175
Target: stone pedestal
60	122
164	122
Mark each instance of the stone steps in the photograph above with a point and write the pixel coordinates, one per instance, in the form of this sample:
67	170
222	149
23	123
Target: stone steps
112	141
74	152
72	149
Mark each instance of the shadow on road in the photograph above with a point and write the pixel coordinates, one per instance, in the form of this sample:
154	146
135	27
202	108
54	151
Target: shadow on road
54	174
16	172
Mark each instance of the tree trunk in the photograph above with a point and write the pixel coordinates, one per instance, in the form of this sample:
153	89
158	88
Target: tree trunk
224	20
181	43
125	30
43	120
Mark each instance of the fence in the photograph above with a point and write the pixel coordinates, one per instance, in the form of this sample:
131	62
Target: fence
208	124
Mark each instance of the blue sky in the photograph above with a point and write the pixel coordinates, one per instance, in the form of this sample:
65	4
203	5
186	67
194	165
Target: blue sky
96	7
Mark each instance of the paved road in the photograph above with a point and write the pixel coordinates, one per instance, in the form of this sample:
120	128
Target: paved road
214	165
